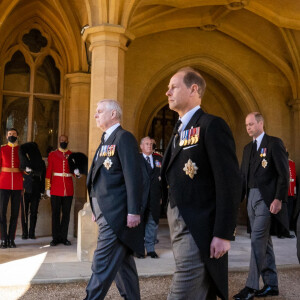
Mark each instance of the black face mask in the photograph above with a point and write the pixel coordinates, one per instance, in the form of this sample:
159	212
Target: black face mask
63	145
12	138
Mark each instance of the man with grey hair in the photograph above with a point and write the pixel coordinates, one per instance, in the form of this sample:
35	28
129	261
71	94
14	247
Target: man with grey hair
265	171
115	189
150	166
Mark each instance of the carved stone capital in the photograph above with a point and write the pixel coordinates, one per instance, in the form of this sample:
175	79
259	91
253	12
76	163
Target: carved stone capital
107	35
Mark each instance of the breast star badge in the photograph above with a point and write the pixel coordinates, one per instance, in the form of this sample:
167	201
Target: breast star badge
264	163
107	163
190	169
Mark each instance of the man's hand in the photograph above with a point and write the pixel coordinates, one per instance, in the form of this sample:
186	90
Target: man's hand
133	220
275	206
93	218
77	173
48	193
219	247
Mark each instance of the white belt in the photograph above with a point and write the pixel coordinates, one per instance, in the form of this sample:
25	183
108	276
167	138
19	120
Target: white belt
62	174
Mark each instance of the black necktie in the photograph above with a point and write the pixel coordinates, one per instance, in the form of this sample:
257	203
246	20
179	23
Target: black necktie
102	137
99	148
175	132
254	148
148	160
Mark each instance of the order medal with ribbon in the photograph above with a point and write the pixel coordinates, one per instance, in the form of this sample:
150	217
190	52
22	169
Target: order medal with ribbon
107	151
189	137
263	152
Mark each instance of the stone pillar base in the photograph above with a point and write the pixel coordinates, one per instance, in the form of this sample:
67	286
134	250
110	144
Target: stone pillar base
87	234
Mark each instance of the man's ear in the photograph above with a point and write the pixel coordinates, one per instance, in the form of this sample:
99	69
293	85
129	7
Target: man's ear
194	88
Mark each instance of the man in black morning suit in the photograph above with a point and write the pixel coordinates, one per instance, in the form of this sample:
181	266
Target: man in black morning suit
265	171
150	166
201	179
115	190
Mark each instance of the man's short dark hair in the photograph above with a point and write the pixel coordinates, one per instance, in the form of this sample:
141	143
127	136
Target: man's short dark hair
193	76
12	129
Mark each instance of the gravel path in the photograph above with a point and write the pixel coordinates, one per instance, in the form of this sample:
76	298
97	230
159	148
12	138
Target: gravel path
152	288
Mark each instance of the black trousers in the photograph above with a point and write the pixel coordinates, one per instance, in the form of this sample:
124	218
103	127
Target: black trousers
15	196
30	205
61	208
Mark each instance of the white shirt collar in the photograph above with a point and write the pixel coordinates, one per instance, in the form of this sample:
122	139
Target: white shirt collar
110	130
259	139
187	117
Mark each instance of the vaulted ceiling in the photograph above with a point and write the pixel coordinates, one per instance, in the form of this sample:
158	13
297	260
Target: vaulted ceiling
270	27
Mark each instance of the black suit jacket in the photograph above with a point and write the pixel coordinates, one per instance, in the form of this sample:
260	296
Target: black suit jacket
209	202
273	179
151	187
119	189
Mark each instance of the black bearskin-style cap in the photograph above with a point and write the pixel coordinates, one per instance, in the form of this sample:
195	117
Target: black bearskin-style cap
78	160
30	156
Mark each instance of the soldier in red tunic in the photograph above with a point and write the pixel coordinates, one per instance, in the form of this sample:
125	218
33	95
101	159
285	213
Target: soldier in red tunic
11	186
59	184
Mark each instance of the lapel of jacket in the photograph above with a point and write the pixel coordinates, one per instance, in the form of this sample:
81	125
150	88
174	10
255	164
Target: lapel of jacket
247	158
263	144
101	159
178	148
146	164
89	177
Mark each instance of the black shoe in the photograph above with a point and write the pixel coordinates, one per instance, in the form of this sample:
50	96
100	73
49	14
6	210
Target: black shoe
11	244
54	243
138	255
32	236
245	294
291	236
3	244
152	254
24	236
280	236
267	291
67	242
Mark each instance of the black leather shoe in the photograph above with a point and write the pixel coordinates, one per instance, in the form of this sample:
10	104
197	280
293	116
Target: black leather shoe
32	236
67	243
245	294
152	254
138	255
11	244
24	236
3	244
54	243
267	291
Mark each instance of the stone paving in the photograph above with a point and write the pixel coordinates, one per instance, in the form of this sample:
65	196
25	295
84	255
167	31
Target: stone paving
34	261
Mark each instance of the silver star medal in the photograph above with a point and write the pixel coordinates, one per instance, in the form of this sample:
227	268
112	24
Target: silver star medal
107	163
190	169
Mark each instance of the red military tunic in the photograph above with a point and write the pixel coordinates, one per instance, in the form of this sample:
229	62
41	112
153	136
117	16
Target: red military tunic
58	175
10	176
292	187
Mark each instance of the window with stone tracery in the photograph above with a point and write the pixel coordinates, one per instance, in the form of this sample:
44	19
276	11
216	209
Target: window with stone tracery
30	95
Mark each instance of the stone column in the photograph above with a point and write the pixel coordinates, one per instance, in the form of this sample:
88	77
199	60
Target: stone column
77	117
107	44
295	136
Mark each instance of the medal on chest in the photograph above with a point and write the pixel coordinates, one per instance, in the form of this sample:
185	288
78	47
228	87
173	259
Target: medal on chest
190	169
